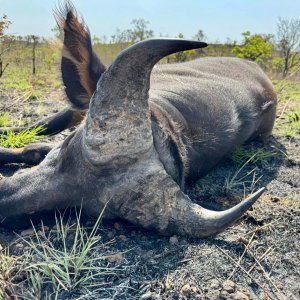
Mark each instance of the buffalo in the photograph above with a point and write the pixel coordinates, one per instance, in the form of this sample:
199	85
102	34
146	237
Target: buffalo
146	131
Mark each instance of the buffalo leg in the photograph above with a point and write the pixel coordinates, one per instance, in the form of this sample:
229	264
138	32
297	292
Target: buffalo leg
30	155
54	124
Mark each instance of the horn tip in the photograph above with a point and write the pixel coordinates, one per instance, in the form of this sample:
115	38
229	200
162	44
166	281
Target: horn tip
254	197
260	192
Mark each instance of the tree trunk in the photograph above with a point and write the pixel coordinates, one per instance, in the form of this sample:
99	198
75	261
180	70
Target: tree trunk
35	40
2	68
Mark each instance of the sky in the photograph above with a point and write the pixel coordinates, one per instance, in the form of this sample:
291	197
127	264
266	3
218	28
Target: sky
219	19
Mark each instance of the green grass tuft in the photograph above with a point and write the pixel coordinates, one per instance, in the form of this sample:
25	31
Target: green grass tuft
290	126
16	140
255	156
288	90
239	179
293	123
67	260
5	120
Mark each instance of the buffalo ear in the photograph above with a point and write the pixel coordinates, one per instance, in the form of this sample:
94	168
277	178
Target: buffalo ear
80	65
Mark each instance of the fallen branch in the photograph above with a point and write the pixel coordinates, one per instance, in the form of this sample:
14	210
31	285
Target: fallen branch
247	273
266	275
261	227
241	257
267	253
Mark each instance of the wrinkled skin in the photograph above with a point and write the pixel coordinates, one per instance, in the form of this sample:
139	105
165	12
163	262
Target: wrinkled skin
144	139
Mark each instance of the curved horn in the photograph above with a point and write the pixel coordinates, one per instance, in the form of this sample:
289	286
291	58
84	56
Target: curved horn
213	222
163	207
119	120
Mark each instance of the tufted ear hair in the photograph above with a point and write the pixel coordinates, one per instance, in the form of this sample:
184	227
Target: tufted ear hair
80	65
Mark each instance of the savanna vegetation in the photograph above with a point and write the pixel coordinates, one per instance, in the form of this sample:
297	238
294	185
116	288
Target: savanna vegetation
73	258
29	66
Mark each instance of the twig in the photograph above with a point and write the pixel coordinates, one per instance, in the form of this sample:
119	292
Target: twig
16	99
266	275
185	260
246	272
241	257
261	227
267	252
284	108
293	73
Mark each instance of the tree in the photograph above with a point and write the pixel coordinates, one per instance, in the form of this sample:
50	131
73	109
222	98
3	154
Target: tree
140	30
138	33
35	40
255	47
288	37
4	41
4	24
124	36
200	36
96	40
58	32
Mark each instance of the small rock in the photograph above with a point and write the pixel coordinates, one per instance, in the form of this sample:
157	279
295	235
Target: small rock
240	296
123	237
183	242
27	232
228	286
224	295
117	226
214	284
173	240
147	296
116	258
280	286
213	295
194	290
46	228
19	247
243	240
1	248
275	199
186	289
259	269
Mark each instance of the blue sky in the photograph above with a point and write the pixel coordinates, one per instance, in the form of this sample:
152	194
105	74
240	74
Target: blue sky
218	19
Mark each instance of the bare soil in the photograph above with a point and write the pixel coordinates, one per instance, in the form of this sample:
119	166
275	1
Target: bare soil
256	258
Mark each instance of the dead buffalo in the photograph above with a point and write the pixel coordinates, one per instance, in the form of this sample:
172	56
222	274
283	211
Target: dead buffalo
149	130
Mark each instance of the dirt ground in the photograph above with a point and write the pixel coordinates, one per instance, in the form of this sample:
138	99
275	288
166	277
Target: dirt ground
256	258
